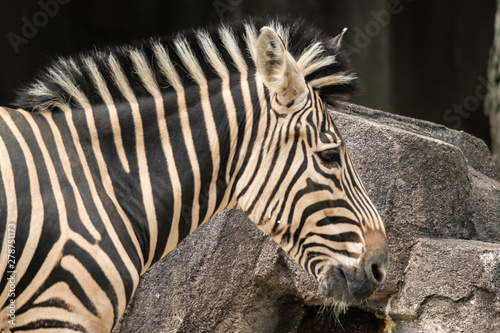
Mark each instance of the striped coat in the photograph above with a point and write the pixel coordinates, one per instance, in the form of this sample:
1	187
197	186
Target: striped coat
113	157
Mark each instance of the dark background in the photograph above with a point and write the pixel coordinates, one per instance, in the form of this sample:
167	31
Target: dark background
426	59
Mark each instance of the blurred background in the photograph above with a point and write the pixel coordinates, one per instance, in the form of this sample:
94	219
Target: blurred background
422	58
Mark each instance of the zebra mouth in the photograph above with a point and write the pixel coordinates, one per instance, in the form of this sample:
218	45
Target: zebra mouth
353	284
347	285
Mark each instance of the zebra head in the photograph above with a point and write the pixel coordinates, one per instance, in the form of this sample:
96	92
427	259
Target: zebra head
303	190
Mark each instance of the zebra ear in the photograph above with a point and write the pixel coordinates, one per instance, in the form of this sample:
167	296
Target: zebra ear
278	69
336	42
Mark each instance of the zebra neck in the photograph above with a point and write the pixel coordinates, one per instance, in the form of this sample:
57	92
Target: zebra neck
184	151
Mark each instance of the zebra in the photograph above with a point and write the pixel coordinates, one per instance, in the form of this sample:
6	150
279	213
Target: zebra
110	158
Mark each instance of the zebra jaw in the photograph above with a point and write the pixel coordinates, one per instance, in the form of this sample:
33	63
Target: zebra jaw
343	281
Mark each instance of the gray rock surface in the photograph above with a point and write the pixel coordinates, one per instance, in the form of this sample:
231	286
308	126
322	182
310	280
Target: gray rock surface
226	277
427	181
474	149
447	280
484	204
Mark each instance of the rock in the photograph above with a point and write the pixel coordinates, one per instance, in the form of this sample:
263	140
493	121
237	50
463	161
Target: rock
437	183
483	205
225	277
474	149
418	175
427	181
450	285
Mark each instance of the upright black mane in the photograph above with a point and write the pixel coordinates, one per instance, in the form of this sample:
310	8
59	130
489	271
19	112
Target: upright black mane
326	64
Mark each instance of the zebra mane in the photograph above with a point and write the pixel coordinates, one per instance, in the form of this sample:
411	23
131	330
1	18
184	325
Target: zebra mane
198	55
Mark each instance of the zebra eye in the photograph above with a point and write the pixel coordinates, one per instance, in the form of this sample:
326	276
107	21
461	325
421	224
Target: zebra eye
330	158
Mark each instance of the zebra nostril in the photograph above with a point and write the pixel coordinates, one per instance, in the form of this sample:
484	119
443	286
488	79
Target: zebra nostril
375	267
378	273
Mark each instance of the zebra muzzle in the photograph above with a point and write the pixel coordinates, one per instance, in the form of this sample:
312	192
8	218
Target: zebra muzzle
353	285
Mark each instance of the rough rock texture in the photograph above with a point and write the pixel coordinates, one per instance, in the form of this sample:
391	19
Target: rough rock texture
427	181
438	297
226	277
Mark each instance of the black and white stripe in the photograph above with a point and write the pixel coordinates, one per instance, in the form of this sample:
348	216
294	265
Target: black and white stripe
114	156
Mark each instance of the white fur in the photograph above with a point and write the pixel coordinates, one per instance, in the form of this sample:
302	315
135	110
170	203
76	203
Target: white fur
166	66
189	60
212	54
